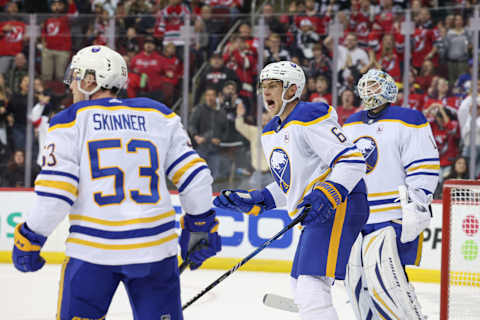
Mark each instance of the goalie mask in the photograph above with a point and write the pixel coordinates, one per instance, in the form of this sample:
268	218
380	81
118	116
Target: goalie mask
288	73
376	88
106	65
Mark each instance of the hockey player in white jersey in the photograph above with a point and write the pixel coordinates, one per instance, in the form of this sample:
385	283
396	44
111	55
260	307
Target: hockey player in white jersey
402	173
107	161
313	163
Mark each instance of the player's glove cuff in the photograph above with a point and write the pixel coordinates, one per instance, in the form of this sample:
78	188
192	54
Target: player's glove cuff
205	222
27	240
334	192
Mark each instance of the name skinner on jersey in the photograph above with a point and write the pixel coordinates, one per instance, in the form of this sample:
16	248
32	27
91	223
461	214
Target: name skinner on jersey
123	121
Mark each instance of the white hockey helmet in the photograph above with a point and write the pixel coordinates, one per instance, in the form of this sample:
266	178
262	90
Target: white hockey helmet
107	65
376	88
289	73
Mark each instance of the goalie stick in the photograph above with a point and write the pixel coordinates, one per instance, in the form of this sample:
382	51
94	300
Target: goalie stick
294	222
279	302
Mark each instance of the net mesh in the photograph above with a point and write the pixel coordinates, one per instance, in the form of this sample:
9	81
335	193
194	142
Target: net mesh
464	262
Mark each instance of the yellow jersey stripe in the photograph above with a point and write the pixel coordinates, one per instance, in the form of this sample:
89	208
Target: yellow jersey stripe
61	185
60	289
385	209
122	222
72	123
309	187
306	124
122	246
335	237
419	249
382	194
425	166
178	175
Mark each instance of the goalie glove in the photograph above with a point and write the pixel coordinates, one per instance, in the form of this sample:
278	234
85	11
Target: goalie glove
416	214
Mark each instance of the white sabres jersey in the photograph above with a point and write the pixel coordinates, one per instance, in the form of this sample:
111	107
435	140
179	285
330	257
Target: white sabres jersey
399	149
309	147
106	164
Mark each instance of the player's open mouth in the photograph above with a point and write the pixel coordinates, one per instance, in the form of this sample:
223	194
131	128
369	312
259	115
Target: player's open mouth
270	104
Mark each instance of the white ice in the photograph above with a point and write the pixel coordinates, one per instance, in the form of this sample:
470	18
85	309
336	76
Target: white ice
33	296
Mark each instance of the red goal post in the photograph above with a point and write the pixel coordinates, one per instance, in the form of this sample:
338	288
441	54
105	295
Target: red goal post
460	268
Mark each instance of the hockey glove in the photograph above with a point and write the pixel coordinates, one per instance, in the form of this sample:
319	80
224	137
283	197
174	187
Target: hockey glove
249	202
199	228
324	199
416	213
26	249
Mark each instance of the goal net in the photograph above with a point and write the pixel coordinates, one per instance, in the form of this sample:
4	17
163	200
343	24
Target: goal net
460	271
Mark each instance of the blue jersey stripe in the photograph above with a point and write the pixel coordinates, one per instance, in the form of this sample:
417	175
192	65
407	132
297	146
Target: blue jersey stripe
422	173
54	195
340	154
421	160
351	161
380	202
182	157
127	234
60	173
190	178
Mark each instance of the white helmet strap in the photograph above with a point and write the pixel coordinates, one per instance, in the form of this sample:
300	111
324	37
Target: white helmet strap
85	92
285	101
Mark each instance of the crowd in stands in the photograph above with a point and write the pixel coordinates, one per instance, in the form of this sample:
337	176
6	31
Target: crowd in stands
224	103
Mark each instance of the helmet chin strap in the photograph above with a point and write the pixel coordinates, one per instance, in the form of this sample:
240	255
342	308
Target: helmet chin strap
87	94
285	101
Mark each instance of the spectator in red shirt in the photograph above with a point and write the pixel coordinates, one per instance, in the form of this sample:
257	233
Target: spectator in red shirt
446	133
347	108
12	37
148	63
388	59
321	93
171	70
57	42
169	21
440	93
427	72
133	84
424	40
416	97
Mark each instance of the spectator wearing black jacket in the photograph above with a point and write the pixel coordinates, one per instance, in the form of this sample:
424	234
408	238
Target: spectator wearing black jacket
215	75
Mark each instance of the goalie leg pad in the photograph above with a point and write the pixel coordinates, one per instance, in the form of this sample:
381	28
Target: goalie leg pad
355	284
313	297
393	297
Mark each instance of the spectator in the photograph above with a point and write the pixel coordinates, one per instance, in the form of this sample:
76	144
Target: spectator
214	75
137	14
169	21
233	5
459	169
205	25
318	21
273	22
322	92
457	45
97	31
171	71
424	39
202	126
347	107
388	59
242	59
56	42
359	23
3	120
441	94
147	64
16	73
251	133
321	64
17	109
306	38
15	173
12	37
133	83
446	133
426	75
245	32
274	50
416	97
465	119
129	44
109	5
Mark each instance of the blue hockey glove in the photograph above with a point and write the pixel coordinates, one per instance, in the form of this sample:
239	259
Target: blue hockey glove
199	228
26	249
324	199
249	202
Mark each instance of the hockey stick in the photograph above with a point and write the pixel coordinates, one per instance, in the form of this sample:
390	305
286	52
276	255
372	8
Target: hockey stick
279	302
187	261
294	222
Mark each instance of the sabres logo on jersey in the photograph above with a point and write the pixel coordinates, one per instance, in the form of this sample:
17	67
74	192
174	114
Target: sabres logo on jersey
280	167
368	147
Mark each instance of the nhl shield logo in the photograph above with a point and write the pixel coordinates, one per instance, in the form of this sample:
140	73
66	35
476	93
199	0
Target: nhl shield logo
368	148
280	167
